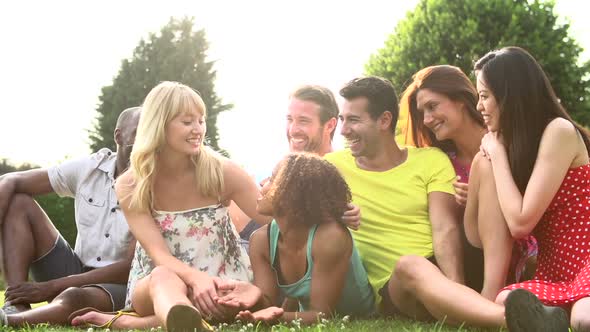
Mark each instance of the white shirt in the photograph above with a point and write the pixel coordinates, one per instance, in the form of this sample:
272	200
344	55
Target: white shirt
103	234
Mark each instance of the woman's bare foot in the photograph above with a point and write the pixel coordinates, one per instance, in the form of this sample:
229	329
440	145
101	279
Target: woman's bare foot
123	321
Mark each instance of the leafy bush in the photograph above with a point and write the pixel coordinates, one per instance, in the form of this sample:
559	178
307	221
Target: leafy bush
61	212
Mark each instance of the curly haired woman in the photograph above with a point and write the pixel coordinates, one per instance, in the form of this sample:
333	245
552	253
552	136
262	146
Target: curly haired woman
305	252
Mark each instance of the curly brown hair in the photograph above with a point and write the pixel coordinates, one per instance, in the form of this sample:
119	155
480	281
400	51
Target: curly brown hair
308	189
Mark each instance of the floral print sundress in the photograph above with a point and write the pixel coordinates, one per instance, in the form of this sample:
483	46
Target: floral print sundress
203	238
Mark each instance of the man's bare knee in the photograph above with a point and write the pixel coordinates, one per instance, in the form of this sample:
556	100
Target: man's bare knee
20	203
410	273
74	298
410	269
24	206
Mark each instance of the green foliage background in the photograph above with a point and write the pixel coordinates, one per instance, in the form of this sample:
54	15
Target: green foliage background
176	53
459	32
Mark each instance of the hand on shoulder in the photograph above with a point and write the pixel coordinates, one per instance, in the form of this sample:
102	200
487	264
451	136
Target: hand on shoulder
332	242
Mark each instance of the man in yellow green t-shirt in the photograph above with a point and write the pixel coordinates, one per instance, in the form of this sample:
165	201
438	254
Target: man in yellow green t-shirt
405	195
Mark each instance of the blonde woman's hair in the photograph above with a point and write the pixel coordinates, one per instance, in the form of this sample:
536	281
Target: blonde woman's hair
166	101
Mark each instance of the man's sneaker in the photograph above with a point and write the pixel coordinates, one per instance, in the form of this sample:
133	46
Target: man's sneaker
525	313
10	309
3	318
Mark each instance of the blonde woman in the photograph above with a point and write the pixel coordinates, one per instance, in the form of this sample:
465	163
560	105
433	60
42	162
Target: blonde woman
172	198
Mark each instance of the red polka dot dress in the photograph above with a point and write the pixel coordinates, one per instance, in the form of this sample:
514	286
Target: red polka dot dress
563	233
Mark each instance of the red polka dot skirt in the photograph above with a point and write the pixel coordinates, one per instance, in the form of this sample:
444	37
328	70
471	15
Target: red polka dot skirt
563	233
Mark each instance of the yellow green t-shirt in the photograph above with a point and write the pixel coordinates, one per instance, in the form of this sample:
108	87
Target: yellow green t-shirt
394	207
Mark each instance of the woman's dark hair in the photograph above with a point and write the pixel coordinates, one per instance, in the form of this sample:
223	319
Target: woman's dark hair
526	102
446	80
308	189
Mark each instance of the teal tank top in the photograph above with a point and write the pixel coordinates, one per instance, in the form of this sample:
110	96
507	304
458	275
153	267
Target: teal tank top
357	297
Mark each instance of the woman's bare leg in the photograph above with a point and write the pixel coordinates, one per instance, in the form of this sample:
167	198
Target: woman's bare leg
494	234
152	298
580	316
158	293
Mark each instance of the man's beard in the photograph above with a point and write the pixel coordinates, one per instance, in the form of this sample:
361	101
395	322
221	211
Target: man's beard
314	144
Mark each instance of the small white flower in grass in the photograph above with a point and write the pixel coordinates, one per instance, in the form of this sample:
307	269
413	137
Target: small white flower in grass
292	329
320	326
342	327
107	330
250	325
345	319
90	330
297	323
325	321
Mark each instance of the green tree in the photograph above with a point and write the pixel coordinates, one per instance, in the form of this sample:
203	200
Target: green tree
177	53
458	32
6	166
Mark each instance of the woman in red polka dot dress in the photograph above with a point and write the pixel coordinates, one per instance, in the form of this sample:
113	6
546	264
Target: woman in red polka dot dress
533	166
563	272
540	166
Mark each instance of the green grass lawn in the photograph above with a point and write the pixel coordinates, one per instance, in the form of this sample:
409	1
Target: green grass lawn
376	325
330	326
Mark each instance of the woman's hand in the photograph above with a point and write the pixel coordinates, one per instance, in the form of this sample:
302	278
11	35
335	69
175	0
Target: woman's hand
269	315
238	294
492	145
202	291
460	192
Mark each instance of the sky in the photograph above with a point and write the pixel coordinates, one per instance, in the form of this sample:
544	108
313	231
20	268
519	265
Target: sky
57	55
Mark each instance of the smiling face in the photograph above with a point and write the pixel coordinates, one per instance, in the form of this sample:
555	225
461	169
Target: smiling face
305	132
359	129
185	132
443	116
487	104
